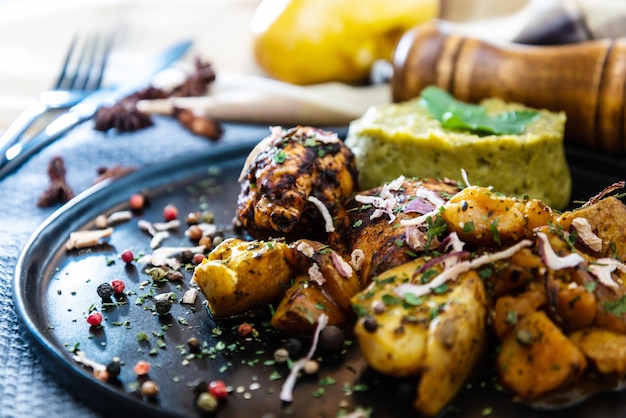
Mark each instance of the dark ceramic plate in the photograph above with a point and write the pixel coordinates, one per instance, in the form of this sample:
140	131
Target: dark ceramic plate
54	289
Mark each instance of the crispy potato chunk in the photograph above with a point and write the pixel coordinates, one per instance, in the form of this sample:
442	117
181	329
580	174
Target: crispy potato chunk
607	218
325	284
239	276
537	357
423	336
605	349
511	309
300	308
482	217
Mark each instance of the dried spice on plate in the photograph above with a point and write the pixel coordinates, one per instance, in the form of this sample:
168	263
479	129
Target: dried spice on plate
125	116
58	192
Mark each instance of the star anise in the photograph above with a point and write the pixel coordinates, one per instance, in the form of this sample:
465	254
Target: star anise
197	82
123	116
58	191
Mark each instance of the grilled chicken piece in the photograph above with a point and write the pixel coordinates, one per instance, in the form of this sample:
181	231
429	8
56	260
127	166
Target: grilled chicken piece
293	182
371	223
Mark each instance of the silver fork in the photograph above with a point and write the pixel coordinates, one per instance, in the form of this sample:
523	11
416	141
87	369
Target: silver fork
81	74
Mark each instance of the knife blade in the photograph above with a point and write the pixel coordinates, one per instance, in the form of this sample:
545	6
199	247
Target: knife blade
87	108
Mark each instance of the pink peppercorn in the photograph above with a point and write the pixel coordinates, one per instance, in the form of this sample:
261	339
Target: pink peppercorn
94	319
118	286
218	389
170	212
127	256
141	368
244	329
137	201
197	258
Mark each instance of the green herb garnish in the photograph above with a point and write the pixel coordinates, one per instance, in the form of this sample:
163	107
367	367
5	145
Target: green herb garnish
457	115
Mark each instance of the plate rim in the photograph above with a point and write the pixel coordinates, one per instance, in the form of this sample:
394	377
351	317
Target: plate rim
47	351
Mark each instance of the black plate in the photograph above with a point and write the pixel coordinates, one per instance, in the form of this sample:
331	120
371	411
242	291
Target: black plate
54	289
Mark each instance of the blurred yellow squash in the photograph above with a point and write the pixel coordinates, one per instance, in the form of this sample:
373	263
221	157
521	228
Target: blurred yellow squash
314	41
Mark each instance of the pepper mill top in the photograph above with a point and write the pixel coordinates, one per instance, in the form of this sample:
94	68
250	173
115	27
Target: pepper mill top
586	80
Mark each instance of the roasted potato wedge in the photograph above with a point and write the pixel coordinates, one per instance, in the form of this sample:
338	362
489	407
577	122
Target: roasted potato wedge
325	284
423	336
299	310
239	276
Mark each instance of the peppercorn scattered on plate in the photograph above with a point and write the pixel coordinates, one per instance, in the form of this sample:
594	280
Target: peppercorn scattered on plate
130	336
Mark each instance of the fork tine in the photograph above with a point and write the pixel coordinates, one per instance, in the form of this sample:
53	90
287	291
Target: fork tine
66	62
84	64
97	71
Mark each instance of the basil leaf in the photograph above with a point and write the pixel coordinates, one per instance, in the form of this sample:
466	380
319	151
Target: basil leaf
457	115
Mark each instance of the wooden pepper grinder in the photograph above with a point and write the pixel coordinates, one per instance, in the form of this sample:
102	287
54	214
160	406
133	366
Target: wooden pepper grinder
586	80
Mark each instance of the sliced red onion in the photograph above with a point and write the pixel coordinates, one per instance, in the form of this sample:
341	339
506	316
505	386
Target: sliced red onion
286	392
326	137
551	259
453	240
453	256
586	234
414	237
453	272
419	205
615	186
341	265
602	269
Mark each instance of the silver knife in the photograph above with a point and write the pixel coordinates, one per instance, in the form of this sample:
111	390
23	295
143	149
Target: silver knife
86	109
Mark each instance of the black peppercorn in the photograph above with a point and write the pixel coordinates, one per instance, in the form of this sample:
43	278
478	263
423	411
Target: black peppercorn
331	338
105	290
370	324
293	347
200	387
114	369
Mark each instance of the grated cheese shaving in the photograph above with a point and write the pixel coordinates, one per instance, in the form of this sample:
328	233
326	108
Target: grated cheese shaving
356	258
551	259
316	275
385	202
306	249
163	256
465	178
586	234
602	269
286	392
453	272
328	219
